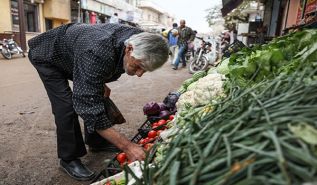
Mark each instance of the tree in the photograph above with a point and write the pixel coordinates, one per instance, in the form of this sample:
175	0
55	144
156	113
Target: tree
214	15
215	19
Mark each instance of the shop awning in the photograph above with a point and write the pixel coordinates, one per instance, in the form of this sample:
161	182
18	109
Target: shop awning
229	5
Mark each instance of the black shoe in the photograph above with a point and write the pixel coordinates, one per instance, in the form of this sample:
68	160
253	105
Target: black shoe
175	68
184	65
104	148
77	170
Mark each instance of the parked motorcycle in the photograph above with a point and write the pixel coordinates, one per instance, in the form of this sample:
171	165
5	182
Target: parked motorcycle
205	55
9	47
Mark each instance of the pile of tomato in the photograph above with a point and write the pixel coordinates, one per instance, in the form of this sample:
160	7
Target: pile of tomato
147	142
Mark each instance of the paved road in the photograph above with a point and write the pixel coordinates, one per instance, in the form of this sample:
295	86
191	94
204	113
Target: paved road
27	130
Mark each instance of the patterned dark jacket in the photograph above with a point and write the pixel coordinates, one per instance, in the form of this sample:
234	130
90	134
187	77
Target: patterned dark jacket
185	34
90	55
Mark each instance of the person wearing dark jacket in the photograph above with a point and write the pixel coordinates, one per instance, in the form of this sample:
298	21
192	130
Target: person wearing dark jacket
185	37
91	56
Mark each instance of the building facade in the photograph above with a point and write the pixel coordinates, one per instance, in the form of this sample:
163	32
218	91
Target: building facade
275	17
38	15
42	15
153	17
100	11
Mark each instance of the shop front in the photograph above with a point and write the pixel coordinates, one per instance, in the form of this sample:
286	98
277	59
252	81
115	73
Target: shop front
94	12
37	16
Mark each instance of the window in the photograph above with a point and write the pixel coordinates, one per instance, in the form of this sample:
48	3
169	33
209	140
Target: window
15	15
30	16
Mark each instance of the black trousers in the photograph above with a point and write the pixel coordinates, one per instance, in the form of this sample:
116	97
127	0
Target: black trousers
70	143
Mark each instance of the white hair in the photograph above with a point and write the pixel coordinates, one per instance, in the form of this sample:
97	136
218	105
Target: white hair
151	49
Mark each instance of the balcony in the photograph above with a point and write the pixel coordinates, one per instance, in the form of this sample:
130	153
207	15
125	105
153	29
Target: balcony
150	5
118	4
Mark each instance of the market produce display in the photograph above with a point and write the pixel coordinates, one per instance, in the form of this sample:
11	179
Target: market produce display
252	121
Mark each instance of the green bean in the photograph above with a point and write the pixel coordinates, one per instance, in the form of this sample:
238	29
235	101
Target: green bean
212	175
228	148
300	172
280	156
196	173
268	154
210	145
213	164
174	172
168	160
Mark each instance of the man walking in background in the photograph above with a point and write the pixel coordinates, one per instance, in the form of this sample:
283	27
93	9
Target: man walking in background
185	36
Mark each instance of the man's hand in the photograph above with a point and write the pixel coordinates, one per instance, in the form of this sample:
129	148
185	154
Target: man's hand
133	151
107	91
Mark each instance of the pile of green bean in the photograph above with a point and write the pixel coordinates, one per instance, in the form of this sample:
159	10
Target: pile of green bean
246	139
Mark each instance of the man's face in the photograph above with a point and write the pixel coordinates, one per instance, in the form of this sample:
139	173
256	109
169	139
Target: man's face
131	65
182	24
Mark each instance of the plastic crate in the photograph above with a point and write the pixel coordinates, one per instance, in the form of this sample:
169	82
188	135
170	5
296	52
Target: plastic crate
114	166
233	48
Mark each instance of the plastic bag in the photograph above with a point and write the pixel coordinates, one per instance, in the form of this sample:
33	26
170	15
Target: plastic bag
114	114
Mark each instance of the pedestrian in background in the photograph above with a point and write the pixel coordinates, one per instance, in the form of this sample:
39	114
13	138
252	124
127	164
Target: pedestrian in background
185	37
172	37
114	19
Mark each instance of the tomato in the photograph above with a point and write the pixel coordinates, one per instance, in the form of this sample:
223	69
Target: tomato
155	124
122	157
152	134
159	132
149	140
148	146
171	117
161	122
154	127
142	141
111	182
146	140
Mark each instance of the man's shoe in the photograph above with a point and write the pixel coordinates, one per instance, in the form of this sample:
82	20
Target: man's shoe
175	68
77	170
184	65
104	148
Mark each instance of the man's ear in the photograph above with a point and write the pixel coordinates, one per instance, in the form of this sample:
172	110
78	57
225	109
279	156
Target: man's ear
128	49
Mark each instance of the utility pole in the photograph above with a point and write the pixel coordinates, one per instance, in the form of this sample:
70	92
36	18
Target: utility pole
21	25
79	7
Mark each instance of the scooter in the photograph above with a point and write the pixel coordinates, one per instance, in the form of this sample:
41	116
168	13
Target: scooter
9	47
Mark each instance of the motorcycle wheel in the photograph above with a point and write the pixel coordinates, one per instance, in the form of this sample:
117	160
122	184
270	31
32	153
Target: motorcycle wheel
188	56
198	65
6	53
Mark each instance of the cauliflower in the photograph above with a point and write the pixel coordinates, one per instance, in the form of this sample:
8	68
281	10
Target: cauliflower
206	89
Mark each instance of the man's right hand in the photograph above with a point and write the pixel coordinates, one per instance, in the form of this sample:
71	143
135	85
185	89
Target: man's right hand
134	152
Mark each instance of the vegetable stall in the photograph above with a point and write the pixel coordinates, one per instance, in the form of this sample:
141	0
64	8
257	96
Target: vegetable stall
251	120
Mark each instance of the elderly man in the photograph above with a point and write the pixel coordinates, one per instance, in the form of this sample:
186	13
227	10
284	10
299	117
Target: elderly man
90	56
